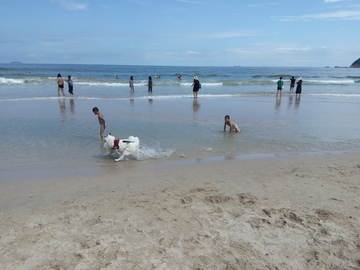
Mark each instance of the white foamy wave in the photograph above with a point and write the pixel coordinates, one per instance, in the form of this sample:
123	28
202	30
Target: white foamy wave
11	81
117	84
102	84
152	153
33	99
330	81
203	84
334	95
186	96
322	81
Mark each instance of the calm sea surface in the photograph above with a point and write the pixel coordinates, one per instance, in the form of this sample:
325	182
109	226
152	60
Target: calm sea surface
41	131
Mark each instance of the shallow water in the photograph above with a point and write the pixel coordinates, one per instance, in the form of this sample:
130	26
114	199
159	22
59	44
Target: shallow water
65	133
41	131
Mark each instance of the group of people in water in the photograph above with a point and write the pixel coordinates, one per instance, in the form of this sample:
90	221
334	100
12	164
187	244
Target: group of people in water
60	82
196	84
280	85
233	127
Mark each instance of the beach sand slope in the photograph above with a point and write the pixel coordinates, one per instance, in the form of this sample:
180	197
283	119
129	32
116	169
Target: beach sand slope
294	213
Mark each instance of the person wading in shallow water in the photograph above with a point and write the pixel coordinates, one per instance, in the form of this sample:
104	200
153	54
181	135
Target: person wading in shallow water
150	84
60	82
299	87
70	84
196	87
131	84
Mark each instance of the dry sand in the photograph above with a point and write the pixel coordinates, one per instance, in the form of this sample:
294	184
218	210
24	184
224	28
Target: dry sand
277	213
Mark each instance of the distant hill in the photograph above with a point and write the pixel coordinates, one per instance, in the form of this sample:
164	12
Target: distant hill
16	62
356	64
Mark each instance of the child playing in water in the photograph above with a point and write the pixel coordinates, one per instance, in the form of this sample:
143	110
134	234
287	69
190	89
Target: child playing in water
233	127
101	121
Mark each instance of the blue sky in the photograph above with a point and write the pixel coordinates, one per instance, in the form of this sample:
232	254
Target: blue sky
292	33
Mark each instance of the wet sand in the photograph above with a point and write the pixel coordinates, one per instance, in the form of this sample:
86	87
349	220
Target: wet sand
297	212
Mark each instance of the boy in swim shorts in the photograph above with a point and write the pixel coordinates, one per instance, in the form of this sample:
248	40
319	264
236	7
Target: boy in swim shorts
233	127
60	82
101	121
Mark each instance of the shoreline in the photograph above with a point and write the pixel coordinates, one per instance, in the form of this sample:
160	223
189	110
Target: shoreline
178	160
287	212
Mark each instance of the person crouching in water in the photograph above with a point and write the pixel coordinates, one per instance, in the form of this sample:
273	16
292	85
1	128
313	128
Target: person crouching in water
233	127
70	84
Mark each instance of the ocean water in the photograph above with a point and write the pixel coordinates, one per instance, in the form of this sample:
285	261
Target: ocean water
40	131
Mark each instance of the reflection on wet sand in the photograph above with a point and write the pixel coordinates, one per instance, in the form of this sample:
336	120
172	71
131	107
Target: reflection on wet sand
297	102
62	105
278	102
196	106
72	107
291	98
62	108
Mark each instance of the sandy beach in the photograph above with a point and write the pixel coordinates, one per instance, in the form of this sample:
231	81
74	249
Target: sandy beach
299	212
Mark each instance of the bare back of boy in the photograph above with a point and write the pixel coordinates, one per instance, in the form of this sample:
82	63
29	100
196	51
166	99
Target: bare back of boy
60	82
233	127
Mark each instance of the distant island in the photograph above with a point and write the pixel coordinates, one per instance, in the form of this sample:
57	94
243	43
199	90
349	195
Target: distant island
15	62
356	64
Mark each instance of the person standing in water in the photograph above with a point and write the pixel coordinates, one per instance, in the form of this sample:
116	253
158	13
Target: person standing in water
280	84
292	83
70	84
196	87
60	82
299	87
101	121
131	84
150	84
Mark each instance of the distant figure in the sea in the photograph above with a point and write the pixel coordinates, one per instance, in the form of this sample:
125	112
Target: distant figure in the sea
292	83
179	78
299	87
280	84
117	77
131	84
233	127
70	84
157	77
150	84
196	86
60	82
101	121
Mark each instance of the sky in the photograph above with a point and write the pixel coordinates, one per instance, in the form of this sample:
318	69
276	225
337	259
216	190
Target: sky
276	33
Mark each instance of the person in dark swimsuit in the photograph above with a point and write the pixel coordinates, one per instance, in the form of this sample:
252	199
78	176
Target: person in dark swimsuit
299	87
150	84
292	83
196	86
60	82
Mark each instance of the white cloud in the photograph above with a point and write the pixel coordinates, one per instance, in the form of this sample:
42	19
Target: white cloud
338	15
71	5
33	55
226	34
189	2
192	52
261	5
